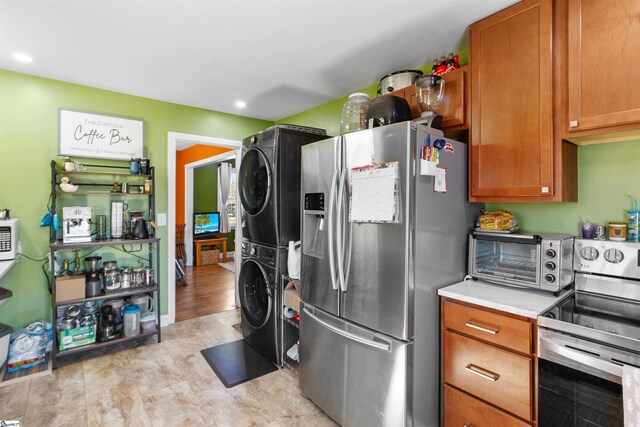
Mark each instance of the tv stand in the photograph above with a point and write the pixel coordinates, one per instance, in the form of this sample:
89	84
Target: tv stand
205	242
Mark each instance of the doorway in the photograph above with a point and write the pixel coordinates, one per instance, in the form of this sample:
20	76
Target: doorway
175	142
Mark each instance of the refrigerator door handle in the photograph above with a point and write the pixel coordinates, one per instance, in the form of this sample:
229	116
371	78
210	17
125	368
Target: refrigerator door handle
349	242
340	230
331	225
362	340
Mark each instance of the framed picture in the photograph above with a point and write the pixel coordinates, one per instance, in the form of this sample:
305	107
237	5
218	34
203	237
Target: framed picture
82	134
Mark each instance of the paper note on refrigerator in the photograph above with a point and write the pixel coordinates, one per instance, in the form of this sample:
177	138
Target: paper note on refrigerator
440	181
374	193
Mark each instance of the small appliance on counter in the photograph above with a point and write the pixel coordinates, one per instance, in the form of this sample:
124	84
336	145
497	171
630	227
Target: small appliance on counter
530	261
76	224
108	325
397	80
94	278
429	93
8	238
386	110
138	225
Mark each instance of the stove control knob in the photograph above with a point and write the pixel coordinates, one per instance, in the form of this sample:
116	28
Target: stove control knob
252	251
551	253
614	256
550	265
589	253
550	278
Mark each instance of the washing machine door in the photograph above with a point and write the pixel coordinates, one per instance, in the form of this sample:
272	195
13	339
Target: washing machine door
255	300
255	181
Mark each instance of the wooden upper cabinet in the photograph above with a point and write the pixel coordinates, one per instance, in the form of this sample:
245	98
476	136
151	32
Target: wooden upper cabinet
603	53
454	104
516	153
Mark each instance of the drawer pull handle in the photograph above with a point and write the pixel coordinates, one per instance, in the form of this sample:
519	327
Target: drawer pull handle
482	372
468	425
480	328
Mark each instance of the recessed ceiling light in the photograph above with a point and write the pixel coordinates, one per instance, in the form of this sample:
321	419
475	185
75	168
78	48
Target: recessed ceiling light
241	104
22	57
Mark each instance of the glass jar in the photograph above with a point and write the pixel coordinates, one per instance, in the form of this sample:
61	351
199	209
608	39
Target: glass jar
138	277
112	279
88	320
127	277
131	320
66	324
354	113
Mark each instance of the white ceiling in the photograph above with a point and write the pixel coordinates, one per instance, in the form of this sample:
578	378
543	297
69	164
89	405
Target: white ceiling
281	57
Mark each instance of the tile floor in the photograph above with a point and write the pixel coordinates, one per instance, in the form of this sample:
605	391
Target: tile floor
166	384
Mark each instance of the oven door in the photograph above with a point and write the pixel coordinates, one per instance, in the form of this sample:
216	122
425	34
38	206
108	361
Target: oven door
508	259
579	381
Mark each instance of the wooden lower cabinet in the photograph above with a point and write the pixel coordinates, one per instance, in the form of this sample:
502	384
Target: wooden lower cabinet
492	374
461	409
488	367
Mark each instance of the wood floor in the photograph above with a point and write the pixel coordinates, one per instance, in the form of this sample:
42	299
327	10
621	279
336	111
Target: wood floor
211	290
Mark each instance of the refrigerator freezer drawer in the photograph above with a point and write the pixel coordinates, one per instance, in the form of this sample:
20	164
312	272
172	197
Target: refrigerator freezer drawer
356	376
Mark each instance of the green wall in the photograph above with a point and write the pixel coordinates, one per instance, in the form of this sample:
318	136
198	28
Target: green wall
28	142
606	174
205	194
205	188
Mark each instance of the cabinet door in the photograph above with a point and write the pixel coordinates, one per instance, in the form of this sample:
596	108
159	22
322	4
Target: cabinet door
512	103
496	376
452	107
602	57
454	100
460	409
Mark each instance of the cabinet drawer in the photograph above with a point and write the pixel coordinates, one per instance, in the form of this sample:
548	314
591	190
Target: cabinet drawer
494	375
460	409
491	327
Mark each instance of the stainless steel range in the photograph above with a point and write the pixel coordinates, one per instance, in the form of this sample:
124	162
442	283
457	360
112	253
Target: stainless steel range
586	339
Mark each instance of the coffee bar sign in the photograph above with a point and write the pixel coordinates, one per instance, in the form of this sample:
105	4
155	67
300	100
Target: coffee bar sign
95	135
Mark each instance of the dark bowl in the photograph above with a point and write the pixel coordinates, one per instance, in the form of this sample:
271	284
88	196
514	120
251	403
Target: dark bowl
388	109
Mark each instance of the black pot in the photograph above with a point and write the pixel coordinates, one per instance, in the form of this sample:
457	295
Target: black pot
388	109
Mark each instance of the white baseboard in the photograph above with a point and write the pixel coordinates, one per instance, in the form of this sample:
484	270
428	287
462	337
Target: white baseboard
164	320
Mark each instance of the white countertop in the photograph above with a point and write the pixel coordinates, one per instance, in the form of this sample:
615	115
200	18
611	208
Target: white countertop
525	302
6	265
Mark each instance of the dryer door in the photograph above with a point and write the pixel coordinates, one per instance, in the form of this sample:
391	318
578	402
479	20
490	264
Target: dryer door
255	181
255	298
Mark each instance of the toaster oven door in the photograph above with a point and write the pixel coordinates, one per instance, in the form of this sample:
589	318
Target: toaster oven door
508	259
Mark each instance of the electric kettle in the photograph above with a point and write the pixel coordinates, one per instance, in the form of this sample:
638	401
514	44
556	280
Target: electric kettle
293	261
138	225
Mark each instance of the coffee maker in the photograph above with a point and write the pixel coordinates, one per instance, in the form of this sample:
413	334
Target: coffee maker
138	225
94	279
108	325
76	224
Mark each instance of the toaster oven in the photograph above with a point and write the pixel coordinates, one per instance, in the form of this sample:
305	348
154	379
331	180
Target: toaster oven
8	239
531	261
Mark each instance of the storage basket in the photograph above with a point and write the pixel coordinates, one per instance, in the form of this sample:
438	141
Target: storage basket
210	256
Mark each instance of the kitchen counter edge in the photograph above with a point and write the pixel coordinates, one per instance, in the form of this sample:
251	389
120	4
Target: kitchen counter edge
524	302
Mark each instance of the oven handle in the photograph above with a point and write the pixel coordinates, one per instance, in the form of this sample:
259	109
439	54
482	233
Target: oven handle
581	357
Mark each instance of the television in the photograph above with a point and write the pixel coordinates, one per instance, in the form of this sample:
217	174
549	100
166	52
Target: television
206	224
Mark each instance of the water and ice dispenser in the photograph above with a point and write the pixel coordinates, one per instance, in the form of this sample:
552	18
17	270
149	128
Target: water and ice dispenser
314	228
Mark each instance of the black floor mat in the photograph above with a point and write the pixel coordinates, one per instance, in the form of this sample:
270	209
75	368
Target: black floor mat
236	362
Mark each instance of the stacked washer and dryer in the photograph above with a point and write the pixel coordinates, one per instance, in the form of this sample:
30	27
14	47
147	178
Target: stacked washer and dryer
269	190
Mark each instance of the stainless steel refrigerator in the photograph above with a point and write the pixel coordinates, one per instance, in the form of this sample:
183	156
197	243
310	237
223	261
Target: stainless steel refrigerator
369	329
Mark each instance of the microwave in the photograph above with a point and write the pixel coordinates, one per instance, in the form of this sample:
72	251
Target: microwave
8	239
531	261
